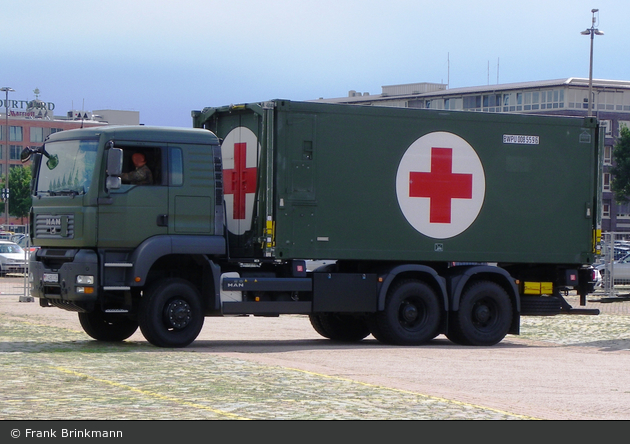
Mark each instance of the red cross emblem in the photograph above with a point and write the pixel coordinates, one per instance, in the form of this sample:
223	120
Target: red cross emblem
440	185
240	180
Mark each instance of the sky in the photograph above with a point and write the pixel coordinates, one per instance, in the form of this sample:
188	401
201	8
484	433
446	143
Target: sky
165	59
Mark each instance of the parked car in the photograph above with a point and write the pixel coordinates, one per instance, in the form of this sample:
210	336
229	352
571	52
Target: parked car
25	242
13	258
620	271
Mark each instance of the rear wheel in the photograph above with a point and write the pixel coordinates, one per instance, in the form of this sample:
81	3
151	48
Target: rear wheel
171	313
107	327
340	327
412	314
484	316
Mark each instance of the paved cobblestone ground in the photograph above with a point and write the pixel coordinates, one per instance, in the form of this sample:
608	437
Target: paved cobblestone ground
54	372
72	377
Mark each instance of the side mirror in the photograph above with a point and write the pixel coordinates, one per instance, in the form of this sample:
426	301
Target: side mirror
113	182
114	168
114	162
26	154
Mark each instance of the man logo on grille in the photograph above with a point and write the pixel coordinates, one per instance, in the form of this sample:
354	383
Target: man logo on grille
440	185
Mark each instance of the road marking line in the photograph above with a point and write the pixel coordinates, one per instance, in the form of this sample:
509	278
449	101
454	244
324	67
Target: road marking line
408	392
148	393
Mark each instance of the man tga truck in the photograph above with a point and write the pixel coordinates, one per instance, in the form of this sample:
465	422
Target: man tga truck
434	222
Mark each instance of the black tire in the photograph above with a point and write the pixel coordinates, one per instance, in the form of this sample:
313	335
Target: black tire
376	330
484	316
412	315
340	327
171	313
107	327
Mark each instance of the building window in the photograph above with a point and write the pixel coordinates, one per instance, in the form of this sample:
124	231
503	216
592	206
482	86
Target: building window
606	210
552	99
37	134
623	211
15	134
472	103
14	152
608	155
623	124
453	104
535	100
492	103
606	186
607	124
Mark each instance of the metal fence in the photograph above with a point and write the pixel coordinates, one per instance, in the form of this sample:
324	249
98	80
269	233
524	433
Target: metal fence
614	264
14	283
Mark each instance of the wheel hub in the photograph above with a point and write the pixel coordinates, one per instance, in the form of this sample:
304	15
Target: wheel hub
178	314
482	313
410	313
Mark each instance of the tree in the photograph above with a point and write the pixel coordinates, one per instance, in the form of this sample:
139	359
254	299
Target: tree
20	191
620	184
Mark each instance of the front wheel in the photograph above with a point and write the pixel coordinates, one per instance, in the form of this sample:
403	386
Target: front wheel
171	313
107	327
484	316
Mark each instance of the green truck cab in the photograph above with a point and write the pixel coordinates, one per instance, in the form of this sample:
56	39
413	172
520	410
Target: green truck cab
434	223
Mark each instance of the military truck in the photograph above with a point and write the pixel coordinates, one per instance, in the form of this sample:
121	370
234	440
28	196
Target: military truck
428	222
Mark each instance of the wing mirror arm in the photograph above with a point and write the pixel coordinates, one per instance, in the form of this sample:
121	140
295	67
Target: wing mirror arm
28	151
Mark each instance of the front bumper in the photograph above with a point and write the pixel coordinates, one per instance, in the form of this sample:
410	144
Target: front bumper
50	278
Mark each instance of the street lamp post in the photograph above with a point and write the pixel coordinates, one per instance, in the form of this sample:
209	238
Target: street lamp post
592	31
5	192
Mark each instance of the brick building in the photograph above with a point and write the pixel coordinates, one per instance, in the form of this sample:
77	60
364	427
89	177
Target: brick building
28	123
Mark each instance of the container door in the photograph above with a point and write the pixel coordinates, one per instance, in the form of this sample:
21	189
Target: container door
241	151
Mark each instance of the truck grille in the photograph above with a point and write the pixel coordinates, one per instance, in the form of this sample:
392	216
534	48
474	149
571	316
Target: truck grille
54	226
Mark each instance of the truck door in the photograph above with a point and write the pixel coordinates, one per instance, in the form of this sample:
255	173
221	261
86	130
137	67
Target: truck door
134	212
192	190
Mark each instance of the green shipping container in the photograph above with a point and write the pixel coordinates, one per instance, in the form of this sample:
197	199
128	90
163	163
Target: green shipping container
322	181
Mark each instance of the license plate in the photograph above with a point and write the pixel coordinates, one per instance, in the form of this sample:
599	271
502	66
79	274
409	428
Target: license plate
51	277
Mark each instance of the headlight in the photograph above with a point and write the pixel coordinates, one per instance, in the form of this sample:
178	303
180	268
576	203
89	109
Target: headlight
85	279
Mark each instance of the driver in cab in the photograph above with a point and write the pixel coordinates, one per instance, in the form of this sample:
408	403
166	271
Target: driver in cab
141	175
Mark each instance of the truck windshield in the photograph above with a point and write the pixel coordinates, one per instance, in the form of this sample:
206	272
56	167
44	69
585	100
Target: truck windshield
68	169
